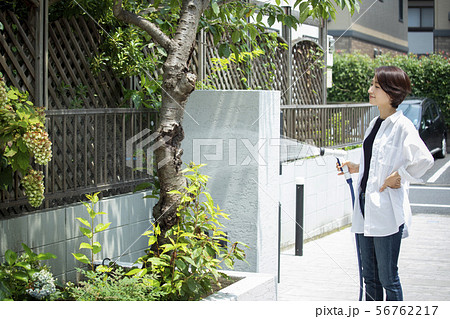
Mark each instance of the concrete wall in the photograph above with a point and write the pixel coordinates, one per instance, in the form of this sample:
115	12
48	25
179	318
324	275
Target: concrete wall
327	199
236	133
57	232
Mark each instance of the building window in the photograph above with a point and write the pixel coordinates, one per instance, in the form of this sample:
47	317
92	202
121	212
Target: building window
420	18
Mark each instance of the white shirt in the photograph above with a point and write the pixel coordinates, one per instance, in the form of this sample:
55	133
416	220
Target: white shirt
397	147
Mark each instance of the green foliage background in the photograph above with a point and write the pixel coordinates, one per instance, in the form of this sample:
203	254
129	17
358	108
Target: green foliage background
430	77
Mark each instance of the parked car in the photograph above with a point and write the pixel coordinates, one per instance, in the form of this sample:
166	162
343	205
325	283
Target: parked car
429	121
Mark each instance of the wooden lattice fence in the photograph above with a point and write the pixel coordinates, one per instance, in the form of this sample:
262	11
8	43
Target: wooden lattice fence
270	72
87	129
307	73
17	53
85	124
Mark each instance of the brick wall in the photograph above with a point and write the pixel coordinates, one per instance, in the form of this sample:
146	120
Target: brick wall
348	44
442	44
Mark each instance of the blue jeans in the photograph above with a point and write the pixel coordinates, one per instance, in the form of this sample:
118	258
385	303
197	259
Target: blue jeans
379	258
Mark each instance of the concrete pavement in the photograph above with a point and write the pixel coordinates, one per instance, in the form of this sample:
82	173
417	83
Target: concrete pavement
328	269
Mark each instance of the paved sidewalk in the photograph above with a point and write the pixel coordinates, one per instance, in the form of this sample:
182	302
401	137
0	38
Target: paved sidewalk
328	269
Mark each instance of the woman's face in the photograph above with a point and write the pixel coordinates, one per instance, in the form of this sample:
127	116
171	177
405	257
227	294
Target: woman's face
377	96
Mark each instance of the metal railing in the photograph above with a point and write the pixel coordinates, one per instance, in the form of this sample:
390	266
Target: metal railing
333	125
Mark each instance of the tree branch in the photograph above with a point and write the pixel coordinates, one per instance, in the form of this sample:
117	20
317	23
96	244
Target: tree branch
149	27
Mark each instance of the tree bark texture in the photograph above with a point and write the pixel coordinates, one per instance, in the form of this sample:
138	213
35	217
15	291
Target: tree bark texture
178	84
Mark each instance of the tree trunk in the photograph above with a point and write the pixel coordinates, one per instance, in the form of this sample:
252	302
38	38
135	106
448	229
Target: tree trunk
177	87
178	84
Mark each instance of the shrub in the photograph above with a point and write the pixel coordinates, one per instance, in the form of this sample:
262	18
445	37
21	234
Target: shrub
22	135
429	74
188	265
23	278
114	286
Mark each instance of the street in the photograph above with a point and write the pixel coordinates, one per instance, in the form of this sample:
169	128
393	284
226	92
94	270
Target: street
433	197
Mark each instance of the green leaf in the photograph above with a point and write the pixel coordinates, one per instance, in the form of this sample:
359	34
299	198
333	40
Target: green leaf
224	51
10	257
24	265
259	17
101	227
155	261
12	95
86	232
193	285
137	272
229	263
85	246
271	20
84	221
103	268
152	240
19	275
82	258
5	292
189	260
236	36
94	198
23	160
91	212
11	152
45	256
215	7
28	250
97	247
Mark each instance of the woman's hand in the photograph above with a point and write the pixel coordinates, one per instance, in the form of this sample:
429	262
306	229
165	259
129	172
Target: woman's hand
352	167
393	181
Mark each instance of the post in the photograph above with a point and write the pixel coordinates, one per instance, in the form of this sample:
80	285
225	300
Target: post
281	136
299	217
323	41
41	48
279	242
201	72
286	33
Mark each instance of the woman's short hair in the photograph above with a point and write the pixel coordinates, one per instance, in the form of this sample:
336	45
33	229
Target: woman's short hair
395	82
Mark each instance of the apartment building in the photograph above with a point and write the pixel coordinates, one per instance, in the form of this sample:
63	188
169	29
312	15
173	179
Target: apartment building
396	26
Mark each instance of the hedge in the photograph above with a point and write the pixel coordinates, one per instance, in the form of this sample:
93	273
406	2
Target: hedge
429	74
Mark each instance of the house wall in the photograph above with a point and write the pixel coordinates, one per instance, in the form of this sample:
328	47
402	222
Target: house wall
375	26
442	26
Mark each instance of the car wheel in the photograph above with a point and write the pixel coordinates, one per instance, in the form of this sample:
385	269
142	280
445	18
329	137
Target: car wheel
443	151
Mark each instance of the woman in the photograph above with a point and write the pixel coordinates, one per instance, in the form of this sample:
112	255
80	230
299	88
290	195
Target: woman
393	156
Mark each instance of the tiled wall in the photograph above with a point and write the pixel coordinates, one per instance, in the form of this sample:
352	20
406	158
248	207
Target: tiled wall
57	232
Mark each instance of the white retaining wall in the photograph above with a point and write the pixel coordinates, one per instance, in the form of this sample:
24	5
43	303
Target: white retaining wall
57	232
327	199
